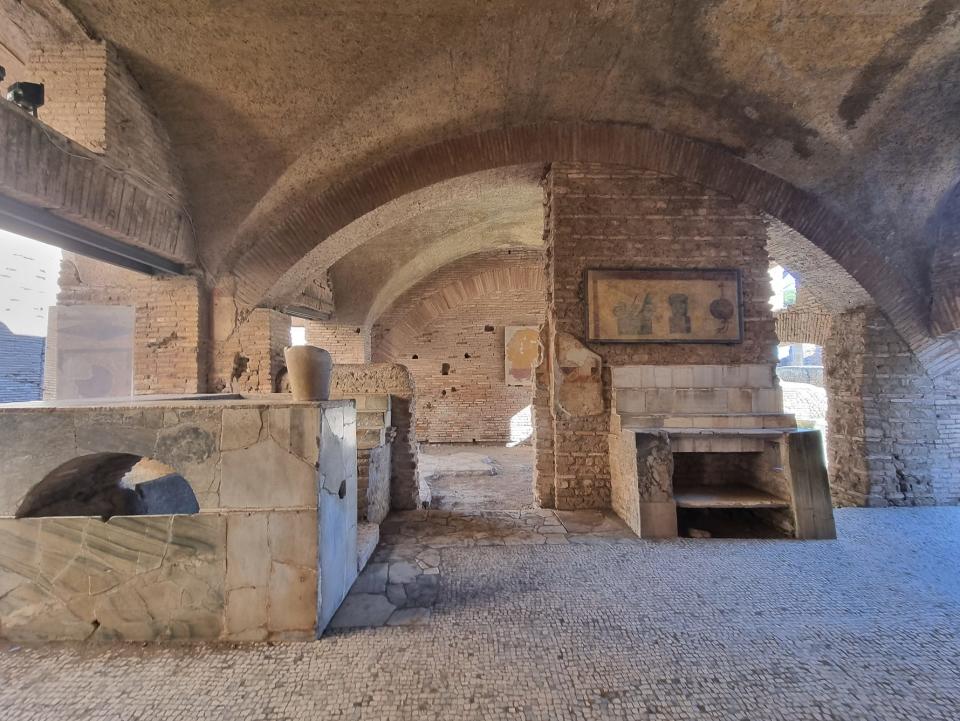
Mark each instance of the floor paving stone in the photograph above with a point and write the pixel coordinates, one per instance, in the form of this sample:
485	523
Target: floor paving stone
373	579
467	476
360	610
859	629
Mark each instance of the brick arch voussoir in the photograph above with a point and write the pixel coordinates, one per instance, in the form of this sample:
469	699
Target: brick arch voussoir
450	297
261	260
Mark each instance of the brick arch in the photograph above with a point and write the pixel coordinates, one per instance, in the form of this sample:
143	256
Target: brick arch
261	258
457	293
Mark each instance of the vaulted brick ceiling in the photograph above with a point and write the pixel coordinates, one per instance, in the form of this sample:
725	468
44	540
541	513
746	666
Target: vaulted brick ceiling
270	105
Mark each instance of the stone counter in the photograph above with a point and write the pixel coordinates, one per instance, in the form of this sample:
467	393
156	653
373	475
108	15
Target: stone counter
276	485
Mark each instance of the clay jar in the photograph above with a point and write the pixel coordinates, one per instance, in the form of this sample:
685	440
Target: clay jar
308	369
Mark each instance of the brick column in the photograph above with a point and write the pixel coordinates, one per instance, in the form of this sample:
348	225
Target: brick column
247	352
543	469
601	216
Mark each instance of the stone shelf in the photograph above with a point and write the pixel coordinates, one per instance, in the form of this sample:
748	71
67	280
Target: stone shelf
711	423
752	432
736	495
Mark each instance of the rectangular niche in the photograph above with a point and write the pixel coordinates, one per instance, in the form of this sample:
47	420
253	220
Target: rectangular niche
728	495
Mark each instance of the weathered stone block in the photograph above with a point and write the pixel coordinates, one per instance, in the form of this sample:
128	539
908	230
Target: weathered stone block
241	428
265	475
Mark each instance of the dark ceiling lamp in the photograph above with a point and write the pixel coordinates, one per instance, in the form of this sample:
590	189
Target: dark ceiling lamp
28	96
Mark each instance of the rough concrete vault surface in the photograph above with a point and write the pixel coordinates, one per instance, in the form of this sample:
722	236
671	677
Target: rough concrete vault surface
851	101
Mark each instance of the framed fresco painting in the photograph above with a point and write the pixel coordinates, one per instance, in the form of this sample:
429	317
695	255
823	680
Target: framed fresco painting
661	305
521	354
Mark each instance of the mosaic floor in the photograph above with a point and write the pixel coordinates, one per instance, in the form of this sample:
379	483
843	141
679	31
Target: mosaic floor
861	629
400	584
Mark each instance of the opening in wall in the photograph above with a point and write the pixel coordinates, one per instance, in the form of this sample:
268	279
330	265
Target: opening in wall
298	335
729	495
110	484
801	374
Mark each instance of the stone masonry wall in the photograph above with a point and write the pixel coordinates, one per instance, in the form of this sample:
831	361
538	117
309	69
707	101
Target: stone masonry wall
171	324
346	343
366	384
448	330
894	430
245	568
614	217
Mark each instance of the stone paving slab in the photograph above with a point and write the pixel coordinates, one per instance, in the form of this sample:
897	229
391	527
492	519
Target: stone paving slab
472	476
859	629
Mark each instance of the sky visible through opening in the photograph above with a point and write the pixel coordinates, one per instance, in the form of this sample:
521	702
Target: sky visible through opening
29	271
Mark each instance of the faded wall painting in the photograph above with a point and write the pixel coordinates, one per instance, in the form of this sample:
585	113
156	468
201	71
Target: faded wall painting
93	346
521	354
664	306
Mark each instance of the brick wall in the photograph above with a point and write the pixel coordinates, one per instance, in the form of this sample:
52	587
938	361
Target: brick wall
136	139
607	217
92	98
171	324
404	477
613	217
346	343
543	468
803	326
75	91
448	330
247	347
894	432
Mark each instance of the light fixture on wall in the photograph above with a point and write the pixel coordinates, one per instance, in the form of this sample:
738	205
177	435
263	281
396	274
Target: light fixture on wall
28	96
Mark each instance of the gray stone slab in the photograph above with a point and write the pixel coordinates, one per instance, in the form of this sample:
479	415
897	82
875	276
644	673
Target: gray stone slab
362	610
403	572
424	591
396	595
373	579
